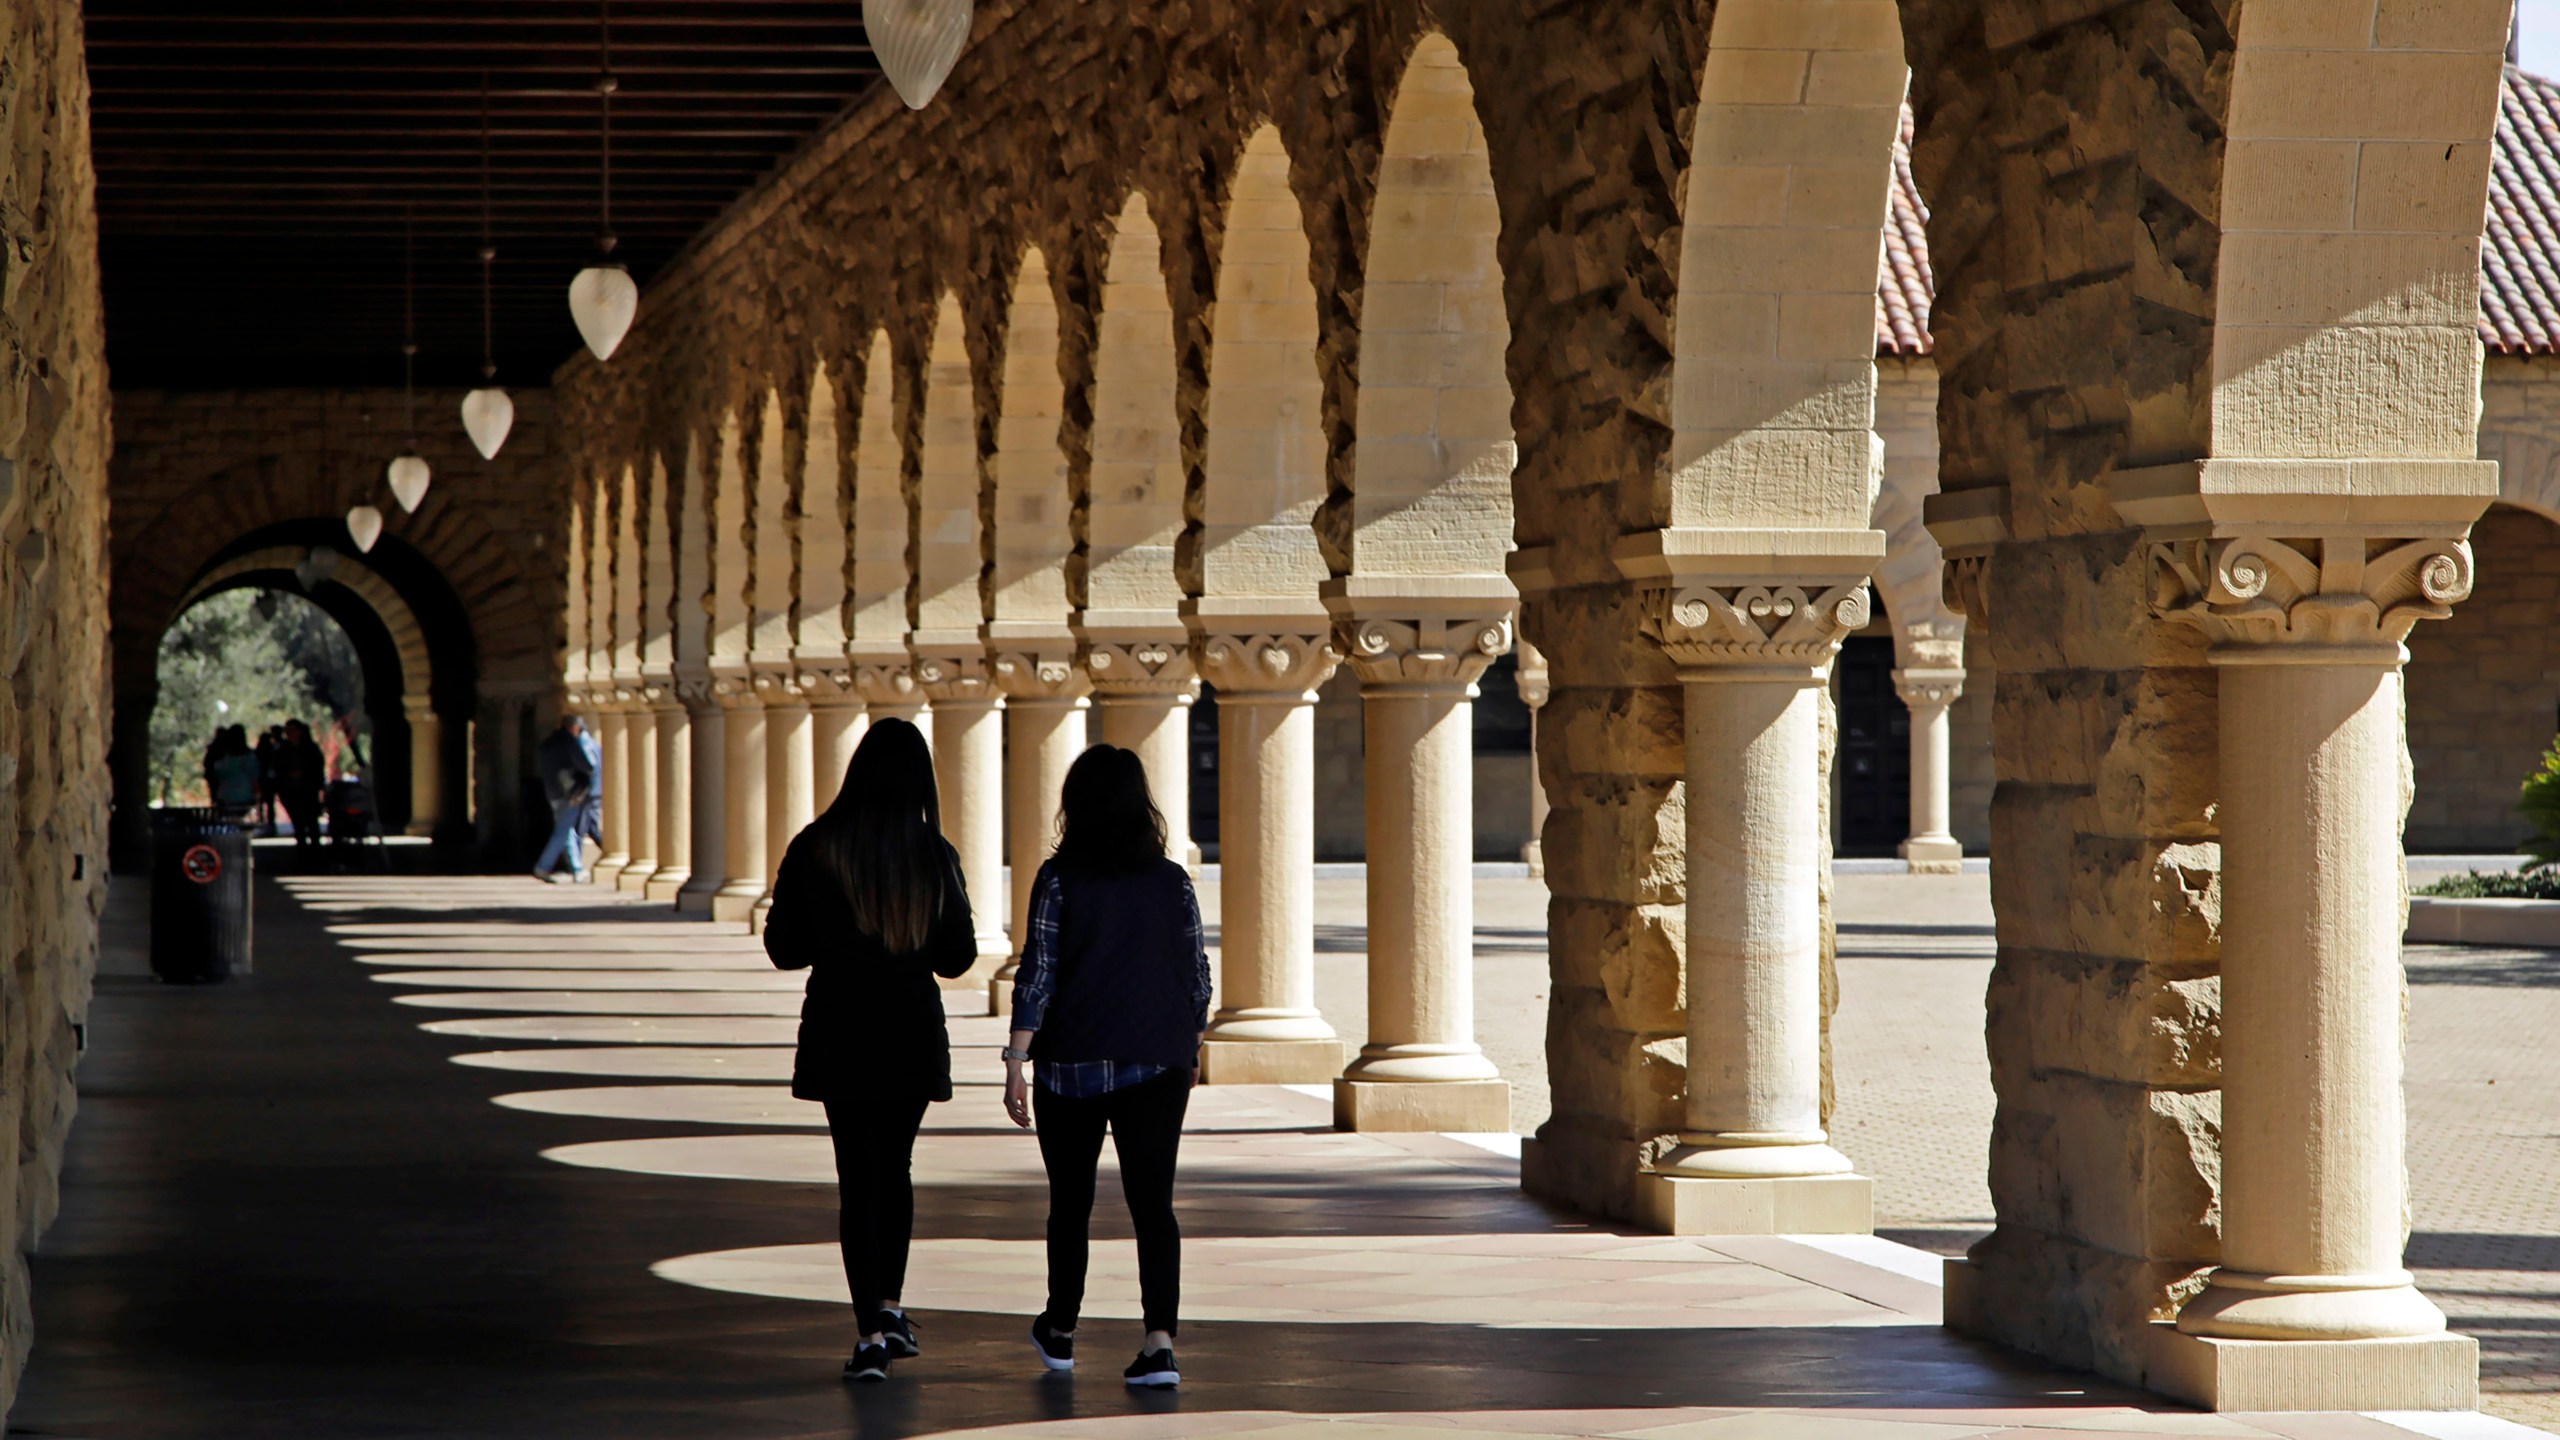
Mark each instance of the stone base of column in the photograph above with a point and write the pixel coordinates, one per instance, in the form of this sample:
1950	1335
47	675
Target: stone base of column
738	904
2421	1372
634	879
755	915
1459	1106
425	829
1933	855
1000	987
1288	1062
979	980
607	872
665	884
1790	1205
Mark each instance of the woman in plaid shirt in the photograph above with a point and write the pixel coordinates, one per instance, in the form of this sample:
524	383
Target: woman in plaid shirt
1108	1007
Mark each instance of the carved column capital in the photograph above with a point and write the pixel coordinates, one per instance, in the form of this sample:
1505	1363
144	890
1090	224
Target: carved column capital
956	677
1287	664
777	687
1712	628
1145	666
694	691
1435	650
1535	686
827	686
1928	689
2263	598
887	682
734	690
1040	675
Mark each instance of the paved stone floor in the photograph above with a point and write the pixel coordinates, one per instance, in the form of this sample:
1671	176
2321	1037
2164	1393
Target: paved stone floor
474	1157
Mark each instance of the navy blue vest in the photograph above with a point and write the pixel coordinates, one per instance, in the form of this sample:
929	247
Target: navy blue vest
1125	971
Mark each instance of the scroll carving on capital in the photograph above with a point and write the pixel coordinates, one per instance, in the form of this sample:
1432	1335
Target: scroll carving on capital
735	692
951	678
1928	689
1428	650
2336	591
1140	667
1039	675
1270	664
1774	623
891	682
826	687
778	687
695	692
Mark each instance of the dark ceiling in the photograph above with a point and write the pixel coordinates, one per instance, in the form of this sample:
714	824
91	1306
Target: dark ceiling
259	162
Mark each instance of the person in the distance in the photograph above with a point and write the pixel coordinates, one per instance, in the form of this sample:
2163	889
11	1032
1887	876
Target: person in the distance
1108	1008
870	901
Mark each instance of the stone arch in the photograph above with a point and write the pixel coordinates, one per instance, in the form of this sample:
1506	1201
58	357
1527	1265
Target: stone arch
1773	396
1263	475
824	524
948	604
731	577
880	537
1431	473
1033	541
773	551
399	622
1132	505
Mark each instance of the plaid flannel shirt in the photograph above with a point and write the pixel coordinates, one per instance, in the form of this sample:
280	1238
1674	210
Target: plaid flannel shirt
1037	980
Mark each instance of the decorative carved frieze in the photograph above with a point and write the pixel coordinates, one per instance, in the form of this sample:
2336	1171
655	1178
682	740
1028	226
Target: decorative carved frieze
1038	676
1140	667
1270	663
2342	592
735	691
1762	624
827	687
1423	650
1964	582
887	682
1928	689
694	692
956	678
778	687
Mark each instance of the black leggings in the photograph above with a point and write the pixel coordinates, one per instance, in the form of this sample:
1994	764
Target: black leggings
1146	1131
875	1142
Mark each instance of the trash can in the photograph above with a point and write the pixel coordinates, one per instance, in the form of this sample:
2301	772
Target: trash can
199	896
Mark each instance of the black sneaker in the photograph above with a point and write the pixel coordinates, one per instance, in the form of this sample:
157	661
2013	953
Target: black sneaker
1057	1351
1153	1368
869	1363
899	1334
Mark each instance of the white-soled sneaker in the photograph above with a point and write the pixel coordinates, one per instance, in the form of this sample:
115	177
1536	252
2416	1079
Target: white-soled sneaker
1154	1369
1057	1351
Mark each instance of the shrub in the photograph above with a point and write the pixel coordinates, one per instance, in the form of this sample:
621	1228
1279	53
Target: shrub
2496	885
2539	800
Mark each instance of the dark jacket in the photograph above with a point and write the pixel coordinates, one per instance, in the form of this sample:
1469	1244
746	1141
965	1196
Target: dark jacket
1115	968
872	1023
567	777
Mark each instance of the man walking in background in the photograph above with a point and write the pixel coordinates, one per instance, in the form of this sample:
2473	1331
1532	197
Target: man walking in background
569	767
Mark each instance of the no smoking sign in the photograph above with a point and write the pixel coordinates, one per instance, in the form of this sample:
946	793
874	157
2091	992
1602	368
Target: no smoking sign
201	863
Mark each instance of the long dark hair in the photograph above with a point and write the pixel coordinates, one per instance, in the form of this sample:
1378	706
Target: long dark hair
882	838
1107	822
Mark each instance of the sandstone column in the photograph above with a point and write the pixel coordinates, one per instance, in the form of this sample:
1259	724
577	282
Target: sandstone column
836	723
1044	724
889	692
790	779
426	765
1143	689
1755	663
968	768
640	792
674	809
709	723
1534	691
2306	636
613	741
1267	1030
742	812
1932	848
1418	663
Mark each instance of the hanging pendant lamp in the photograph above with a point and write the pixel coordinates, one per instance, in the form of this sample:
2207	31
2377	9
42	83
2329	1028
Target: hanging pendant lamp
916	42
487	412
409	473
603	299
364	526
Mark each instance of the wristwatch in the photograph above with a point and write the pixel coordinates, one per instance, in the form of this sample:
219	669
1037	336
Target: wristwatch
1012	1054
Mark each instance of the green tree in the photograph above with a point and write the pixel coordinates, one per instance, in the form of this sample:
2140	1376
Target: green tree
2540	802
244	658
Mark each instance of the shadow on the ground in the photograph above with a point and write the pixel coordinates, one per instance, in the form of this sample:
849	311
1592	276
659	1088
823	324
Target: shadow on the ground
2481	965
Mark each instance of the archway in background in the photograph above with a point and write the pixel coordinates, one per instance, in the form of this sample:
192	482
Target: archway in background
2491	675
413	640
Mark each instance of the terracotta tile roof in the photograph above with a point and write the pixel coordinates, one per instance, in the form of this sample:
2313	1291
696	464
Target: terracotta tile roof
2519	252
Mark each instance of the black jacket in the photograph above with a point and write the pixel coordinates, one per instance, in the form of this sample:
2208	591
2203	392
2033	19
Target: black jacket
873	1022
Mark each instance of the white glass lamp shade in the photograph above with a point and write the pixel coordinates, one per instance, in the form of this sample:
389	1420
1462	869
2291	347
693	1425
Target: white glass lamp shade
916	42
409	476
487	415
364	526
603	300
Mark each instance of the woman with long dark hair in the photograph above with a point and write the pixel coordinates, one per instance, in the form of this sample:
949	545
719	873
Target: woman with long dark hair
870	902
1108	1007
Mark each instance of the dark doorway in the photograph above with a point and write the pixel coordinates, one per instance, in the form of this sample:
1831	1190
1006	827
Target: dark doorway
1875	751
1203	781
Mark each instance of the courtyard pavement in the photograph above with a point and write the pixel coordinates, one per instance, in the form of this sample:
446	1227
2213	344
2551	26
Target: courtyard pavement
478	1157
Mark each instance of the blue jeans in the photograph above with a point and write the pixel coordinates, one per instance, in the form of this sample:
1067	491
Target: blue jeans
565	843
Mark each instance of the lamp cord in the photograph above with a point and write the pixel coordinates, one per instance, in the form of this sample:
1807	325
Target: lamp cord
605	86
488	250
409	319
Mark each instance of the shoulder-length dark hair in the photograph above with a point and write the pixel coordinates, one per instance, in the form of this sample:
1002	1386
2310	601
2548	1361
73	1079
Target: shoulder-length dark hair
1107	822
882	838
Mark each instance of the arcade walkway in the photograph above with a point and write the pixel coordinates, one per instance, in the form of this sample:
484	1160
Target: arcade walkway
468	1156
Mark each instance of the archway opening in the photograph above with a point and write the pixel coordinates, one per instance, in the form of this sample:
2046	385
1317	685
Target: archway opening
2491	675
244	661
